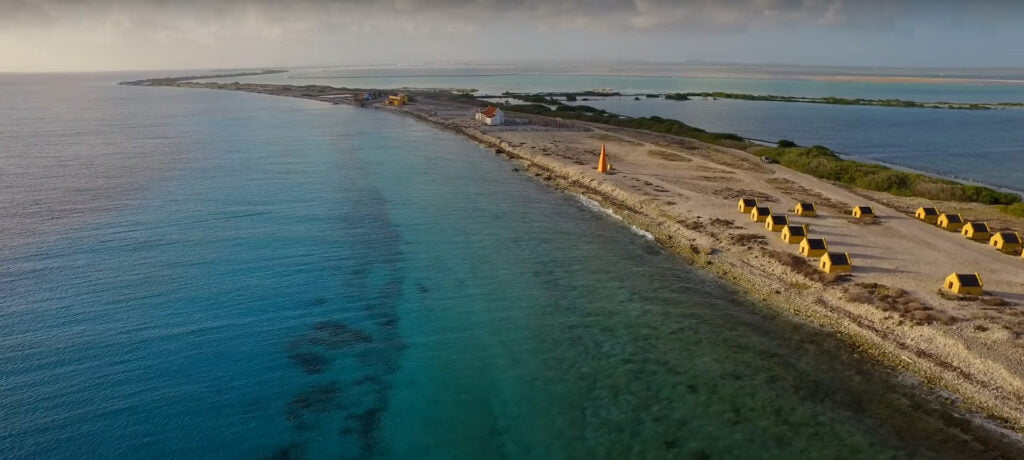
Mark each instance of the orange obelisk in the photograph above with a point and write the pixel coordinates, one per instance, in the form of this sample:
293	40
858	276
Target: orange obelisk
602	161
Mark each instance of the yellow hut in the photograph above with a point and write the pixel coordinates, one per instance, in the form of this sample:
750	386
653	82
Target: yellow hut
964	283
927	214
794	234
775	223
746	205
1008	242
760	213
813	247
862	212
977	231
951	222
836	262
398	99
805	210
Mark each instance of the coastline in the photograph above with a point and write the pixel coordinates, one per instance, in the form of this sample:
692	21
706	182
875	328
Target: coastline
955	369
934	354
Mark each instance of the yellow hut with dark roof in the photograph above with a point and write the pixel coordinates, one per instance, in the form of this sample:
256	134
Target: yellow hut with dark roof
1008	242
863	212
835	262
760	213
927	214
951	222
813	247
977	231
794	234
964	284
775	222
746	205
805	210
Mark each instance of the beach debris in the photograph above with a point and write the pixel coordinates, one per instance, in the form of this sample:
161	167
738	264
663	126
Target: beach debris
748	240
964	284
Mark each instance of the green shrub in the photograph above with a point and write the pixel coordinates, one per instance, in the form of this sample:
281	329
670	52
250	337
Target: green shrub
1016	209
821	162
786	143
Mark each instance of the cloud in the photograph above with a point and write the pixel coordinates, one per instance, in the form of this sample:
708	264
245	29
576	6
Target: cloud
265	32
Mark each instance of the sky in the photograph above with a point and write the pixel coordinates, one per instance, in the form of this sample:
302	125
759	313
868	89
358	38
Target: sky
96	35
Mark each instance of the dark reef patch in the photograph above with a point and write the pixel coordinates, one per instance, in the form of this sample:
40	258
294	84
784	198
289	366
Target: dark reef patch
311	362
318	399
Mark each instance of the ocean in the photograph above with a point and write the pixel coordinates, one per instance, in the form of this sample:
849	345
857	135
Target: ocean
982	146
204	274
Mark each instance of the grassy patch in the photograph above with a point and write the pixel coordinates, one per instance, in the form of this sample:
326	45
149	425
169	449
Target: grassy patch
821	162
1016	209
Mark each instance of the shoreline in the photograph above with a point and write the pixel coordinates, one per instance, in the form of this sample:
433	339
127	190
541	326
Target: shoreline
983	385
849	320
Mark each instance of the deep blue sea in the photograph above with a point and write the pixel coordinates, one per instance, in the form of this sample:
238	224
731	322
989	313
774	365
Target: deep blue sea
204	274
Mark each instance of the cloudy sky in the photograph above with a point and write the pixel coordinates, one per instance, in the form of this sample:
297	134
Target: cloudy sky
73	35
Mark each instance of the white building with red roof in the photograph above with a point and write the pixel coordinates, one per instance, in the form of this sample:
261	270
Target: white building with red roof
491	116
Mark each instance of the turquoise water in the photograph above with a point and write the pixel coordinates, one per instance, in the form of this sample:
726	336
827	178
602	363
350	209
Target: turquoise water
201	274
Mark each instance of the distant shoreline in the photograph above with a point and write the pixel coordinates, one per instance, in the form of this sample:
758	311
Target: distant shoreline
931	80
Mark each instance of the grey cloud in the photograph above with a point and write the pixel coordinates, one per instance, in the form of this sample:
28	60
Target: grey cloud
638	14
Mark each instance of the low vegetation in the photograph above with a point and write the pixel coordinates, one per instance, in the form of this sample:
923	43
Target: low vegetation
653	124
898	301
1016	209
821	162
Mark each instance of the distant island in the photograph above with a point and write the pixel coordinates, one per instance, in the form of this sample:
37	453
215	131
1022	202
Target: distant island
170	81
901	103
553	98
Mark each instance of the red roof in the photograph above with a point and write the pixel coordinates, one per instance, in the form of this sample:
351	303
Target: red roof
490	112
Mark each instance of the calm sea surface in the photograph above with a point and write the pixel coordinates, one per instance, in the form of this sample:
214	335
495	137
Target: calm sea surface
202	274
981	146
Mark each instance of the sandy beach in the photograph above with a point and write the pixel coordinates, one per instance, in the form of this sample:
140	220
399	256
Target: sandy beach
685	192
